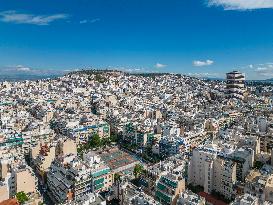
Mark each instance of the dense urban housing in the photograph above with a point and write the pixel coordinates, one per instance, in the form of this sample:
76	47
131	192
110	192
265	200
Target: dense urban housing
97	137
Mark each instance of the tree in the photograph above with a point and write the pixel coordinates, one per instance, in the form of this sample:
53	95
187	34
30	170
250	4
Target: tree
21	197
117	177
80	150
95	141
258	165
114	138
106	141
138	170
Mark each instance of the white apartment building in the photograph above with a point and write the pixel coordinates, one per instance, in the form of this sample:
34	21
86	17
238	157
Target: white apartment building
189	198
246	199
260	185
218	169
71	178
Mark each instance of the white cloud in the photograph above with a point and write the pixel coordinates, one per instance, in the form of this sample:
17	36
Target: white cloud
89	21
127	69
260	71
13	70
159	65
94	20
83	21
265	70
199	63
206	75
23	18
242	4
23	68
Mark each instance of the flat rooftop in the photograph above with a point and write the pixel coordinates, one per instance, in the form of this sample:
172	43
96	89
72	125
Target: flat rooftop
115	158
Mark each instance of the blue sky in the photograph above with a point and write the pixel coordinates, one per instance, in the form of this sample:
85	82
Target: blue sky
196	37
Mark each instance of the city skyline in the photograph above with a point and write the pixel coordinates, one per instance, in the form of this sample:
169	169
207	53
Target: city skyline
136	102
205	38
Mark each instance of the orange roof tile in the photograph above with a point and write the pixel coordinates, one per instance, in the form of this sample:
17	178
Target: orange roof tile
10	202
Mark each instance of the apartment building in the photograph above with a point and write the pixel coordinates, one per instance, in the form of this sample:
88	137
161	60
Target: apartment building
133	135
70	178
189	198
247	199
218	170
169	146
102	176
168	188
66	146
4	168
43	160
129	194
84	131
260	185
23	179
235	85
4	191
87	199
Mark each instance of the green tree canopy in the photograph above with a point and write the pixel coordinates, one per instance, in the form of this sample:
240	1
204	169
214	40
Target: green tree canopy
21	197
95	141
258	165
114	138
117	177
138	170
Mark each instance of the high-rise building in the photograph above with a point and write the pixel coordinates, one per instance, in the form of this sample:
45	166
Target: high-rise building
235	85
218	169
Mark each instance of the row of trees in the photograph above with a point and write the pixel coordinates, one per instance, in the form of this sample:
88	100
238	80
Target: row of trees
97	142
138	170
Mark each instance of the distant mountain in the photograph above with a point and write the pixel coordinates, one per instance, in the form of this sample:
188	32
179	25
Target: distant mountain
18	74
24	73
213	78
25	77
